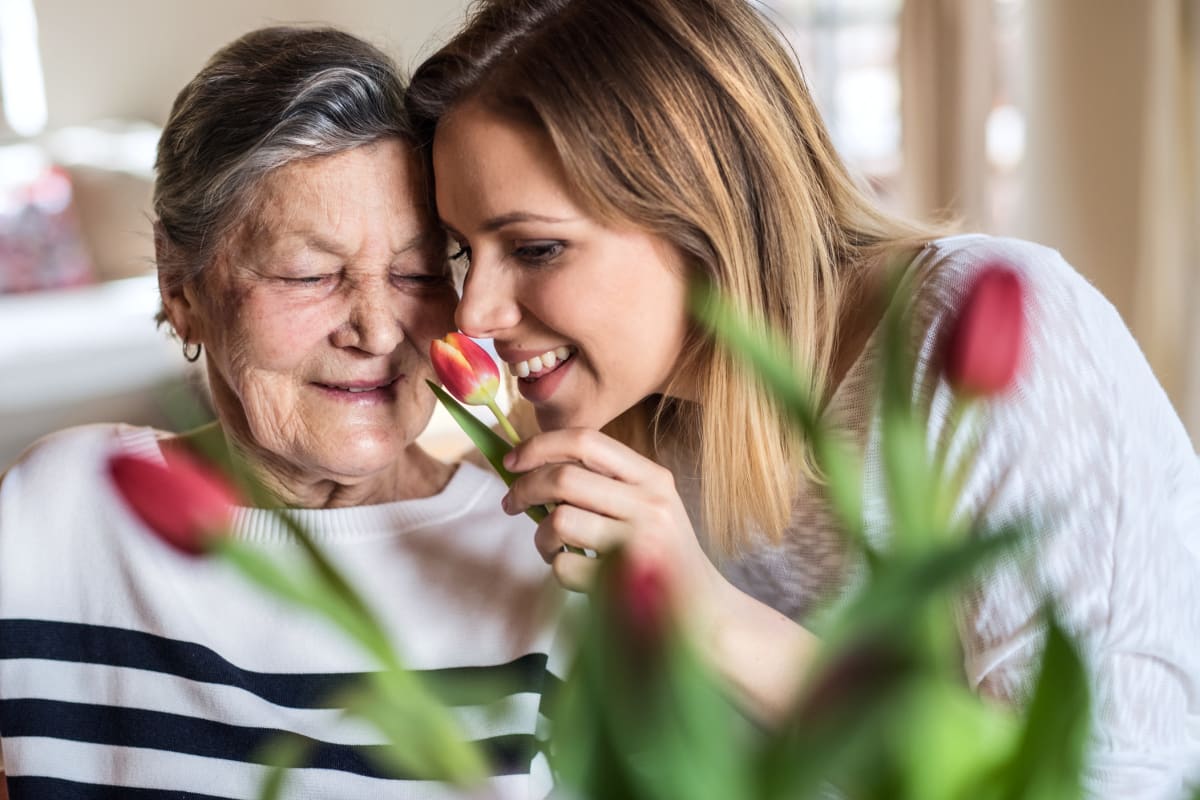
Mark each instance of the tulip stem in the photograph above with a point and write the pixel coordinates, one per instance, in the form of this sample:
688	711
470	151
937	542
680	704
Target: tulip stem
950	482
507	427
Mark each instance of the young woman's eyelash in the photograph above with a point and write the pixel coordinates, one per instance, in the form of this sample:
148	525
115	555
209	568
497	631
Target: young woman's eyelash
540	252
462	252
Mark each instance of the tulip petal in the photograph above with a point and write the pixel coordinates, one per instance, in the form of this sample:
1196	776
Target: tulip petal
183	502
465	369
988	337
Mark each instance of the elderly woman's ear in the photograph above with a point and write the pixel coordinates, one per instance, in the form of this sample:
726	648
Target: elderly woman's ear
176	301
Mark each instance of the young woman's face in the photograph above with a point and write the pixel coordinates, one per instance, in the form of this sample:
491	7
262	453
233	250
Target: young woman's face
592	319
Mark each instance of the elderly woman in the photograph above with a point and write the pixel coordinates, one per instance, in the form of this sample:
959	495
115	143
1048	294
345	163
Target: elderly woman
295	251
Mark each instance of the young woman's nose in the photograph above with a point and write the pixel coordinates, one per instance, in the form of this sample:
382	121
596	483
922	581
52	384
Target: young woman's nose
488	305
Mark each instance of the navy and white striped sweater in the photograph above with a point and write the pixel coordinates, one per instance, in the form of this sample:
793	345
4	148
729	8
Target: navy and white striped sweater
129	671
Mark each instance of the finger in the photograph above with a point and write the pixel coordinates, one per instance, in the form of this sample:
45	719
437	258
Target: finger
574	485
592	449
575	572
568	525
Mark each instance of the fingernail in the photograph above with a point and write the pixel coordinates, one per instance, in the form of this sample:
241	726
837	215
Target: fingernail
505	503
510	459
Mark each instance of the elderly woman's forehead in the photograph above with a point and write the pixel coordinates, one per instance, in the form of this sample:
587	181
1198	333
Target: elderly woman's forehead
342	191
385	160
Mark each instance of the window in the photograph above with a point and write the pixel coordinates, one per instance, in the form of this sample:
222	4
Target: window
21	85
849	52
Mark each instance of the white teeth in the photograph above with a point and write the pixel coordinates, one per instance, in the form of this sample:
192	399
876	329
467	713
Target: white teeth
547	360
360	390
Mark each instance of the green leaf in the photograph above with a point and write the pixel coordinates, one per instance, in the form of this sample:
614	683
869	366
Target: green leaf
953	738
425	740
642	718
282	754
306	590
843	475
329	574
767	355
771	360
912	490
490	443
1048	763
840	727
904	585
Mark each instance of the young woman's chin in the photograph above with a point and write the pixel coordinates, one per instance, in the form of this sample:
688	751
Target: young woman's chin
551	417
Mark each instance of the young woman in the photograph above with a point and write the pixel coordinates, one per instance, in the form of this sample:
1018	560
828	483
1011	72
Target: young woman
589	158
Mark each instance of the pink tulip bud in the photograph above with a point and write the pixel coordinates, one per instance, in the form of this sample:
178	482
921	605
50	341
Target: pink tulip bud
465	369
988	337
641	593
184	502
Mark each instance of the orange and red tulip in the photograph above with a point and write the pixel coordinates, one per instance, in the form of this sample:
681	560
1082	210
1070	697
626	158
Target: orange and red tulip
465	369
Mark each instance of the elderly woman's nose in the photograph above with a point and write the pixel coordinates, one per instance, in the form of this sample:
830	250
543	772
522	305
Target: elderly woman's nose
372	324
488	305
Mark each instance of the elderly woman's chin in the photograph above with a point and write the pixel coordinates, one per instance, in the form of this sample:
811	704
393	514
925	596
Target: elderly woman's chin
308	432
346	447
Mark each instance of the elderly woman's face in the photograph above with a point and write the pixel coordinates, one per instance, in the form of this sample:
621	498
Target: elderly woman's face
319	313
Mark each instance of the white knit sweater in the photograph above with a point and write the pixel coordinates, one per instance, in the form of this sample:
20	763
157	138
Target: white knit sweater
1090	446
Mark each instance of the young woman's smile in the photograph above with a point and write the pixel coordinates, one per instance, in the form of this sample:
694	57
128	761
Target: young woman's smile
590	318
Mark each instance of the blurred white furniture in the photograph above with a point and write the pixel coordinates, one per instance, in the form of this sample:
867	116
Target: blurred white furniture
82	355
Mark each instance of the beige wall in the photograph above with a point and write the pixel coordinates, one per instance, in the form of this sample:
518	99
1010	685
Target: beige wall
1110	148
128	58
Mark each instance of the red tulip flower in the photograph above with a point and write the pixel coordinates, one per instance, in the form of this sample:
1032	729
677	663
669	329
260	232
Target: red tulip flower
470	374
465	368
640	594
987	339
184	502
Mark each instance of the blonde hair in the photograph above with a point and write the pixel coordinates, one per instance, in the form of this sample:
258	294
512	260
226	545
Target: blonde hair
690	120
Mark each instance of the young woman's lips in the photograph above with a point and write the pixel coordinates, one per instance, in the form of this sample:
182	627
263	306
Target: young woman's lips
539	388
361	393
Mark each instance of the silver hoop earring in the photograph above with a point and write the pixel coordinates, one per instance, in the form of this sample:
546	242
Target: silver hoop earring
189	355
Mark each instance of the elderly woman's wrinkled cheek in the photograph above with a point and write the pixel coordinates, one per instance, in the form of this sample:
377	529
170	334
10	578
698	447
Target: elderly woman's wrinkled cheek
273	418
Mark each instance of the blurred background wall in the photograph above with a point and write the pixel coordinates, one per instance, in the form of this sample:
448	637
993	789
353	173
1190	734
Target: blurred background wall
1072	122
128	58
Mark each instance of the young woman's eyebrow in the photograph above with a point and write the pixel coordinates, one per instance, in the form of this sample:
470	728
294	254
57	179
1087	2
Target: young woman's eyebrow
493	224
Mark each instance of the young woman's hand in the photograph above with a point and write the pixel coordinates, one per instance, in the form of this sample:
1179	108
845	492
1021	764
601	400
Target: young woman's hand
608	496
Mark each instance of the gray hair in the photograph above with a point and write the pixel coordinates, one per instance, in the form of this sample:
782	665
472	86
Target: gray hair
273	96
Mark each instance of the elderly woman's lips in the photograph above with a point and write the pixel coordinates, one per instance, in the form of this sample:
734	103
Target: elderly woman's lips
361	391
